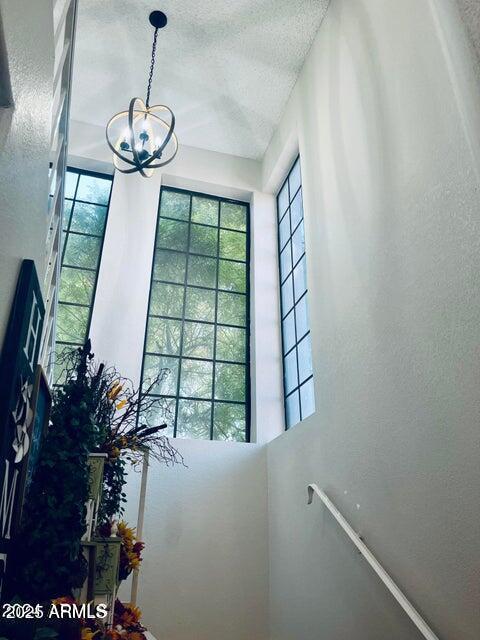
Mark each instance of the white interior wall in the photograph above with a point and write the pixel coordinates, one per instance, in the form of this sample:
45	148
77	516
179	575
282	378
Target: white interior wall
205	573
386	113
24	141
205	568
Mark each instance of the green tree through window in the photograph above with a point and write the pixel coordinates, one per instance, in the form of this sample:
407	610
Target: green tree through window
198	316
87	196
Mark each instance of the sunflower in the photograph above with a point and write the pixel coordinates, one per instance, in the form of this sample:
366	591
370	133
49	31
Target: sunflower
130	617
130	550
64	600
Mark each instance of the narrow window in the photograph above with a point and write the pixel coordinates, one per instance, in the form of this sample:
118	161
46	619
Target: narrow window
296	346
198	315
87	197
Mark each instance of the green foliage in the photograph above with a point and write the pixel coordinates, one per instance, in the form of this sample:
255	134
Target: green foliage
44	632
113	496
204	210
233	216
233	245
72	322
49	560
82	251
76	286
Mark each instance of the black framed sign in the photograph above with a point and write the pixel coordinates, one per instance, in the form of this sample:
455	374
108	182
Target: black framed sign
18	364
41	404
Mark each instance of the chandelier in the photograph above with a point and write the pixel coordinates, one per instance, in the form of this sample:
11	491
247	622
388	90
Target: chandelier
142	139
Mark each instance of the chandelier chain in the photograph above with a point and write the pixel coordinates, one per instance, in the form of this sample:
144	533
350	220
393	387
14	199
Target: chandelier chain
142	138
152	65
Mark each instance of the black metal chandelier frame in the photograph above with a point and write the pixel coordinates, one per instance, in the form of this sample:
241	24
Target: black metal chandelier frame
140	159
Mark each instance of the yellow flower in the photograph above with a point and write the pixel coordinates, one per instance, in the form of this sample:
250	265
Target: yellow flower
88	634
131	616
121	404
114	391
63	600
124	531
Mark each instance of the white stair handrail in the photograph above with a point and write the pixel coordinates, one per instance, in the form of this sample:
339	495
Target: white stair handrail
399	596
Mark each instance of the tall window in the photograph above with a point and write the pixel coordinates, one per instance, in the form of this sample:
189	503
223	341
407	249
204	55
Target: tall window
297	350
198	315
87	196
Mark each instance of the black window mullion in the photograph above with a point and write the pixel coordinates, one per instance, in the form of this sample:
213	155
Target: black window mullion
93	204
170	396
290	273
68	343
82	233
293	290
74	304
298	387
203	224
282	311
194	286
216	325
292	198
195	253
182	330
207	322
67	230
160	354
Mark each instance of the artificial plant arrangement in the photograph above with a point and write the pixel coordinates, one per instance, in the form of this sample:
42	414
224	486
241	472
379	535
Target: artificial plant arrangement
131	547
49	560
132	420
126	625
95	410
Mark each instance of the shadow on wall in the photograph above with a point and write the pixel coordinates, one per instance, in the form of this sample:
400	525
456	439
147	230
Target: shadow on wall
6	98
375	143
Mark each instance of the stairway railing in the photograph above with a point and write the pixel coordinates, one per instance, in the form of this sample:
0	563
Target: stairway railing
387	580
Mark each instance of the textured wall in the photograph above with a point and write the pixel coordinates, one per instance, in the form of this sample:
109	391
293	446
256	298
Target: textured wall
387	115
24	141
470	12
205	570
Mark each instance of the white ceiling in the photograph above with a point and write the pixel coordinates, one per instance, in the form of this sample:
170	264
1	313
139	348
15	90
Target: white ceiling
225	67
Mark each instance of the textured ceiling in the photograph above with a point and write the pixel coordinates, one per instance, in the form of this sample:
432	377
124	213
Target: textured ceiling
225	67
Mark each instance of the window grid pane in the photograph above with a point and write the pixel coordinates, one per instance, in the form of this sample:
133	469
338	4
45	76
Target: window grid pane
296	349
87	198
198	317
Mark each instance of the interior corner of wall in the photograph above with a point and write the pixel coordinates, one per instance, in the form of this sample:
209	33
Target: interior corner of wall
281	153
